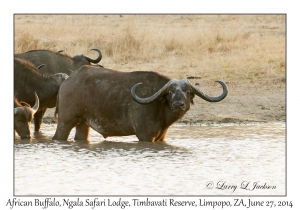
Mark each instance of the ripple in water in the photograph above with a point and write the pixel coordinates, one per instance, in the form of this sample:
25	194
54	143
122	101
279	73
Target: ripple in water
191	157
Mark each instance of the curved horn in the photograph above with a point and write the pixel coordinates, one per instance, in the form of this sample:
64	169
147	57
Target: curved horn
37	103
150	99
40	66
97	60
59	51
211	98
24	104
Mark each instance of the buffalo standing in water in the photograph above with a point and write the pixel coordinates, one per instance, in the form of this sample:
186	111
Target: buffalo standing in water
110	102
29	79
55	62
23	116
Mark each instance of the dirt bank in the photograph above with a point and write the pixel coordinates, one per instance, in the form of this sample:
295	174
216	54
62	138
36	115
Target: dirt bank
248	52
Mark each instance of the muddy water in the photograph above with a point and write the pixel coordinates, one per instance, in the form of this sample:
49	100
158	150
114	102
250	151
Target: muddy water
195	160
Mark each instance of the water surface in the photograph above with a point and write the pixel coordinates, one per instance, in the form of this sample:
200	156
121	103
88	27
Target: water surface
194	160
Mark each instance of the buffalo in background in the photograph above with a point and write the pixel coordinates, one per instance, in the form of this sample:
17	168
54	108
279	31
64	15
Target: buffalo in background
111	103
55	62
23	115
29	80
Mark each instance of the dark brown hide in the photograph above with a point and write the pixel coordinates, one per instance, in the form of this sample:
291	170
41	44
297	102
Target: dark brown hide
23	116
102	100
55	62
28	79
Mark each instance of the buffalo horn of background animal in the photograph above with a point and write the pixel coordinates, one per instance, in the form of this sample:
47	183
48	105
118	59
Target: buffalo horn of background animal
34	108
36	105
40	66
97	59
152	98
202	95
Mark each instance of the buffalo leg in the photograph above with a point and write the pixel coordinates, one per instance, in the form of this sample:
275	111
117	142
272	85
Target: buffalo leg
145	137
38	118
161	138
82	131
152	137
64	128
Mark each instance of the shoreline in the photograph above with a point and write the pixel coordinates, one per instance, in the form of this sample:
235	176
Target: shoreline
49	120
229	124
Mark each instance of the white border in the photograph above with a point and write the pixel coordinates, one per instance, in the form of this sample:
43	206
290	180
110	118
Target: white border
8	8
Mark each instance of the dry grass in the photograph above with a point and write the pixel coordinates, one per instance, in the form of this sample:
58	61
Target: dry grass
227	47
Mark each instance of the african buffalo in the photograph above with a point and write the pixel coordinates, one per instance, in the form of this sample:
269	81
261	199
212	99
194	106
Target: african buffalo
110	102
23	116
28	79
55	62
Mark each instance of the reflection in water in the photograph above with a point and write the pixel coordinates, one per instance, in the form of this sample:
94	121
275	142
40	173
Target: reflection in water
191	157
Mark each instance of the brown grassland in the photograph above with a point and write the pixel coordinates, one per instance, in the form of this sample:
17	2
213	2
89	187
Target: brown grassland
248	52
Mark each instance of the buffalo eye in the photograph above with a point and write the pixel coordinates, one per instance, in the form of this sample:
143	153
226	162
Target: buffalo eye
163	100
184	86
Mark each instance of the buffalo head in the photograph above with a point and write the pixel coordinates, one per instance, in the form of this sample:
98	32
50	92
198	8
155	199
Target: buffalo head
80	58
23	116
178	94
59	77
